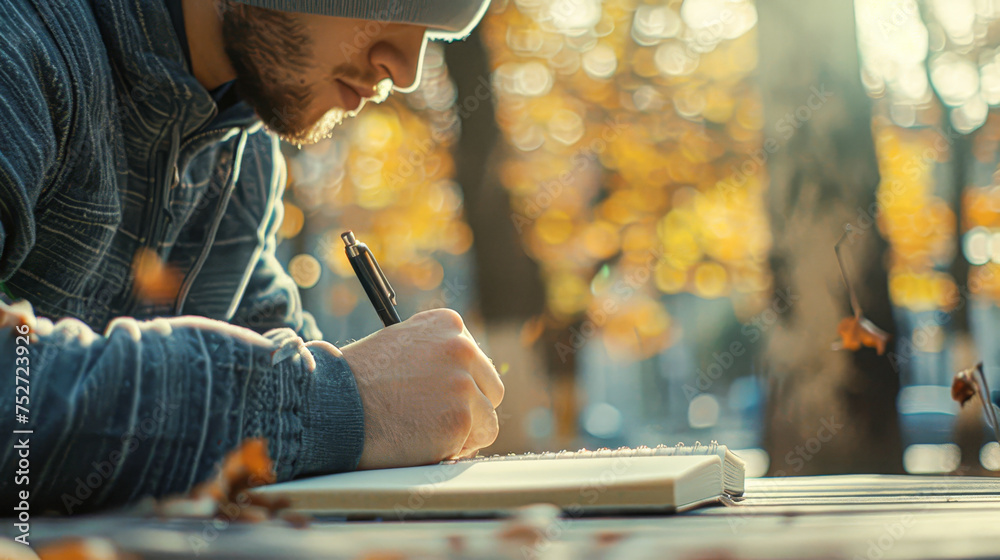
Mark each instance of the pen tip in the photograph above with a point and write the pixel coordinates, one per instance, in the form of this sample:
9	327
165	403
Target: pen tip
348	237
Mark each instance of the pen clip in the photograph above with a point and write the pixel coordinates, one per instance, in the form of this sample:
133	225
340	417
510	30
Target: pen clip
381	275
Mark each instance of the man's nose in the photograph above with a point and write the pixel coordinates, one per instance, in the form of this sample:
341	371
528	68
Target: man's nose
398	55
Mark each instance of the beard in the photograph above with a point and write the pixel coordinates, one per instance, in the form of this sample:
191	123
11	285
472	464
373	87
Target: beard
272	55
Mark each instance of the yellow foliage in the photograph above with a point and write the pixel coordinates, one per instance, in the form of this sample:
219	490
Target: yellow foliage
672	204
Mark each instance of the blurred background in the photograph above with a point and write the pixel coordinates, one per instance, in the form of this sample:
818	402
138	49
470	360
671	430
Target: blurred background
634	204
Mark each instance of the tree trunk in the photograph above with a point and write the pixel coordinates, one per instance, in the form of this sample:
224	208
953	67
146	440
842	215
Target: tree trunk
829	411
509	287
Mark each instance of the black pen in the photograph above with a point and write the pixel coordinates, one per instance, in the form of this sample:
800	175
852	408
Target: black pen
372	278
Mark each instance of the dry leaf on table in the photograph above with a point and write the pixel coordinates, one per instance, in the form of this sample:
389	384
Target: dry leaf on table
225	494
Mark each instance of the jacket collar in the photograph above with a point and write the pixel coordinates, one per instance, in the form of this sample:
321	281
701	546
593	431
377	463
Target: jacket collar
142	44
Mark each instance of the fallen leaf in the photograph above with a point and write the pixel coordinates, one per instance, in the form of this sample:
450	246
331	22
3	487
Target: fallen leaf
382	555
225	494
605	538
528	525
456	544
963	387
75	548
856	332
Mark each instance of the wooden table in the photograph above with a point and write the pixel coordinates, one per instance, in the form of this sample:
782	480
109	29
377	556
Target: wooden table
858	516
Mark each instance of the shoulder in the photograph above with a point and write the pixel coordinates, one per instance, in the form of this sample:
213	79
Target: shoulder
35	92
29	56
40	55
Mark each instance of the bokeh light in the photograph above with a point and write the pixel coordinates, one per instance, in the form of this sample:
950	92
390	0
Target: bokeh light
631	125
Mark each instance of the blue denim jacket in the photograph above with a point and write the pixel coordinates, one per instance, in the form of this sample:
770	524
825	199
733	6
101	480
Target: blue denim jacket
108	145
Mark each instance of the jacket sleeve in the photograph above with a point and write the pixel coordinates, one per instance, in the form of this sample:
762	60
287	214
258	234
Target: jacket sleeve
150	408
272	298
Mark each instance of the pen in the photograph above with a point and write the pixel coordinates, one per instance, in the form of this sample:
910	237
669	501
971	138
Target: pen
372	278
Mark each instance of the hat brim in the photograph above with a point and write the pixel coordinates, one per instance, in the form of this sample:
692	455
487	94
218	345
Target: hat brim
465	17
447	20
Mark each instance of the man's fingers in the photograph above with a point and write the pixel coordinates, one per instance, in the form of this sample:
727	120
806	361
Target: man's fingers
484	372
487	379
485	427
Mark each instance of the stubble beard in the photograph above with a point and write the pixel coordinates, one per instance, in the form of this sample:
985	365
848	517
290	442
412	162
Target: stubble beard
272	56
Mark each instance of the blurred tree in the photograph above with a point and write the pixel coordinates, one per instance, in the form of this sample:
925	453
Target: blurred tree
510	290
624	126
932	69
503	269
824	175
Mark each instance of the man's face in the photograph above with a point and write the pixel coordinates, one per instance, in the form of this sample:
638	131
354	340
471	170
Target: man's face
304	73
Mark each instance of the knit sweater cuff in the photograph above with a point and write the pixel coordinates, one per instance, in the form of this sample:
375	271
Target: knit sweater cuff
333	425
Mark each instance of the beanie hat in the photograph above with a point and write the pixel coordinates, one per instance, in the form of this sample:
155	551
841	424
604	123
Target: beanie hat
445	19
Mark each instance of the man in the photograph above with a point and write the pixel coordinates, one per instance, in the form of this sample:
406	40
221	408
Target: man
137	128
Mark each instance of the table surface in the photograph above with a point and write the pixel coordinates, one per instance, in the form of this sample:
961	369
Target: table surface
850	516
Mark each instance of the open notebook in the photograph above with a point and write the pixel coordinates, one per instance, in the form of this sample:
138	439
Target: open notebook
627	480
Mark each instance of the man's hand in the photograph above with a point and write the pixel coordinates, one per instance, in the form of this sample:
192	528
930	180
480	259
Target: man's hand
428	391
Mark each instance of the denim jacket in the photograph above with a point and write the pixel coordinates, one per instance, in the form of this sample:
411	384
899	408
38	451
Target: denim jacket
109	145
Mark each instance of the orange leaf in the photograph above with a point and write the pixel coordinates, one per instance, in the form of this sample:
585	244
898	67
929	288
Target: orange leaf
154	280
857	332
246	467
971	382
74	548
963	387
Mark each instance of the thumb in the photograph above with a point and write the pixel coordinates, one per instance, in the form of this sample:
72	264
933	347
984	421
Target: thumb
322	344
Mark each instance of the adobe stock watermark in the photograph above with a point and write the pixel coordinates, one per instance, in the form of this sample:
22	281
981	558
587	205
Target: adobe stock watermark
794	462
590	492
622	290
926	330
266	312
752	331
483	93
105	470
551	190
786	127
364	35
902	12
416	159
228	513
392	350
418	495
796	459
911	170
700	41
893	532
452	290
